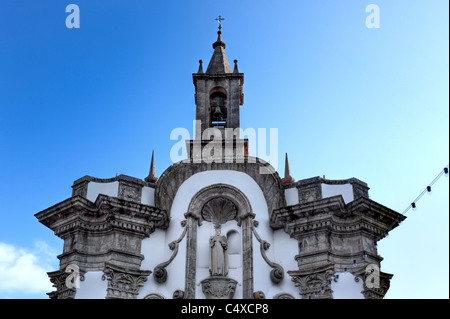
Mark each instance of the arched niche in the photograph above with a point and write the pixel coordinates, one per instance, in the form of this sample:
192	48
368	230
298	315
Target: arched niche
220	204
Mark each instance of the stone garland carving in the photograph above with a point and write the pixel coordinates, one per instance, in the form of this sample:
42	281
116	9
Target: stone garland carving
277	273
160	272
130	191
124	283
309	193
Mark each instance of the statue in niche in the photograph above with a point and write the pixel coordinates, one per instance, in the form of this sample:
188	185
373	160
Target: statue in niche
218	265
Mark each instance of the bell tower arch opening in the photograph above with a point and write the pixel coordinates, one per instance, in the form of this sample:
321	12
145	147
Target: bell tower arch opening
218	108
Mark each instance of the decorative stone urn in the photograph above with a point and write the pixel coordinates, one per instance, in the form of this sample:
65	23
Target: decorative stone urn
218	287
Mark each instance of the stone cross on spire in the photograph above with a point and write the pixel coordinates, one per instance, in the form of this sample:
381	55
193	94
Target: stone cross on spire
220	19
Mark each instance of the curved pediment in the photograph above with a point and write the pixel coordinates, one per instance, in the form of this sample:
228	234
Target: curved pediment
260	171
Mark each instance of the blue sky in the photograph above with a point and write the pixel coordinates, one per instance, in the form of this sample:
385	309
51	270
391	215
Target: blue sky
348	101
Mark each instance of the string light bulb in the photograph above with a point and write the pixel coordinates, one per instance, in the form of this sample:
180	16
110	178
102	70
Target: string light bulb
429	190
446	171
413	205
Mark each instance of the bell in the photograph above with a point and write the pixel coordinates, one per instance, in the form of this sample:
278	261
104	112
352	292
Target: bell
217	112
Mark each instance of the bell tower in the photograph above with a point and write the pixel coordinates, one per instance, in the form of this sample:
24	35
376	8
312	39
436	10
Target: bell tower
218	96
218	91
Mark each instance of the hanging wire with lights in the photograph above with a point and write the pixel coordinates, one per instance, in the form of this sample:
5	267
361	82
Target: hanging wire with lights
413	205
364	254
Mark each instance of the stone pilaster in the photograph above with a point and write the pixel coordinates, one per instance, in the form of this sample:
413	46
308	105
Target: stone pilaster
338	236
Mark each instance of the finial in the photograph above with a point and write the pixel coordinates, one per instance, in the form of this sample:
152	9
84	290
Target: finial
220	19
287	174
151	175
235	67
200	67
219	34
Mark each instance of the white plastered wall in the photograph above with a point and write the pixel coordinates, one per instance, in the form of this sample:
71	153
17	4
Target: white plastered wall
94	189
291	195
92	287
346	286
148	196
155	249
346	190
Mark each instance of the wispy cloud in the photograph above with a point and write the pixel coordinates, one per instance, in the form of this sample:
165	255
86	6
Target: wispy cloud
23	271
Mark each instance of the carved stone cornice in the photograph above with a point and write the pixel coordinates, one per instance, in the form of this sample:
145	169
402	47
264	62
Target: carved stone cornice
381	216
123	283
107	230
79	186
107	213
333	215
323	207
310	189
94	260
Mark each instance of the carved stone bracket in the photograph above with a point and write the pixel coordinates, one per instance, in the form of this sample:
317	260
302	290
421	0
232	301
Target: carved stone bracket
277	273
259	295
194	216
244	216
160	272
178	294
124	283
219	287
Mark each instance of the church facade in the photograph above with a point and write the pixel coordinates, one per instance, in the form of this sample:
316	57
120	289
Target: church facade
220	224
